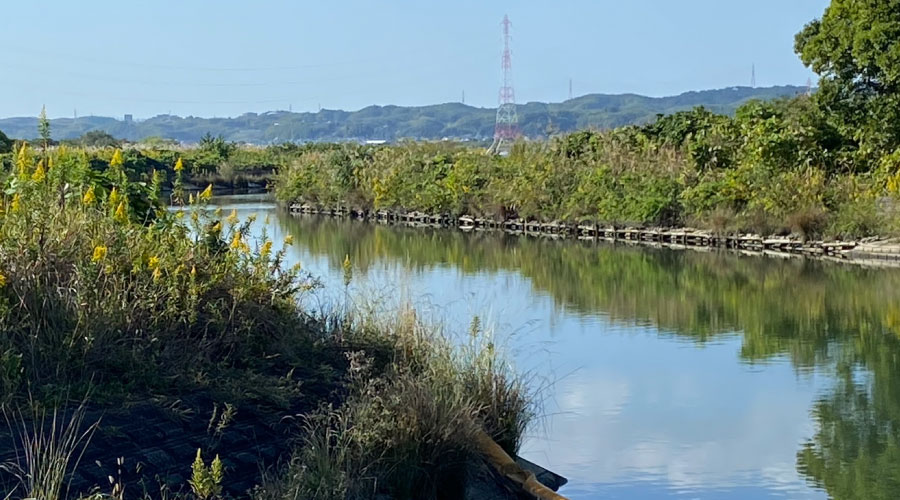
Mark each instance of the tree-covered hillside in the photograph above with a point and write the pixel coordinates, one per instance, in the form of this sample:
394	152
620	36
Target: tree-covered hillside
452	120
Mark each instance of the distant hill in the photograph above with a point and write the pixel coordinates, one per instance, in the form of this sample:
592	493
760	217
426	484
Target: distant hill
453	120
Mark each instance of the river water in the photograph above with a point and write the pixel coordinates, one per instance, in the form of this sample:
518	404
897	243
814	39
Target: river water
665	374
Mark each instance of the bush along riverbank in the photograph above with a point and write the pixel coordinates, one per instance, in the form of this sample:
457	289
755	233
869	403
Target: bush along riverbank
229	167
106	293
775	171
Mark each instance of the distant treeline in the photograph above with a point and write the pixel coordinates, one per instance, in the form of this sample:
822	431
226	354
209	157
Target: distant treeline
452	120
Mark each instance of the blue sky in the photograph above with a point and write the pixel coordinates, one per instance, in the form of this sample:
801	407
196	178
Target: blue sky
224	58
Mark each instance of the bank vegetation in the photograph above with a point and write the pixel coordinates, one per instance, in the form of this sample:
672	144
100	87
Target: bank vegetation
106	292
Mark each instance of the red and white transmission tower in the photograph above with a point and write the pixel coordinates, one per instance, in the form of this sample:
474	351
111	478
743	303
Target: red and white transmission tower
506	130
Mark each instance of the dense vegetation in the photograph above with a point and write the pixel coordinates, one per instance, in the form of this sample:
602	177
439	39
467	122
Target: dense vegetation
394	122
103	291
775	167
6	143
212	160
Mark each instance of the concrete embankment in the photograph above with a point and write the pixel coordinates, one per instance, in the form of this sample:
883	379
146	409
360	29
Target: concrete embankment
871	251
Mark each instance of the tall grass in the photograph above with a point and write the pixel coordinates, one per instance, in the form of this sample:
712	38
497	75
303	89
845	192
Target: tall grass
410	423
49	448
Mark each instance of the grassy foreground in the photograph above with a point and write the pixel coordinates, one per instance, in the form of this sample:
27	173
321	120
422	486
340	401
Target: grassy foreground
105	292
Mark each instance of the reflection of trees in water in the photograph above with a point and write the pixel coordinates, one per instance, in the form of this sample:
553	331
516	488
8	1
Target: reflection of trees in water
855	453
839	318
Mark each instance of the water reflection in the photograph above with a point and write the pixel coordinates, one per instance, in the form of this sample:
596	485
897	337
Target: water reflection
676	373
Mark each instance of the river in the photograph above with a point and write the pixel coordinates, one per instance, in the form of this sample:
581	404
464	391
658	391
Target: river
663	374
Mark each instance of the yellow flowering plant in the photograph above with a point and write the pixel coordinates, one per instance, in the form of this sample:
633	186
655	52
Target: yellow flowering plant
265	249
206	194
99	253
89	197
39	173
124	250
121	214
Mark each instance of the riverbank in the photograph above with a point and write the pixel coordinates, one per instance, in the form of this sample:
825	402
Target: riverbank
188	334
867	251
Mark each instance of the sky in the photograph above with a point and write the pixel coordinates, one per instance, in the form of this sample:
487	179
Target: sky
227	57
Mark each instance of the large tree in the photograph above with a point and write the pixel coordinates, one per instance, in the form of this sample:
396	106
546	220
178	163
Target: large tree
855	48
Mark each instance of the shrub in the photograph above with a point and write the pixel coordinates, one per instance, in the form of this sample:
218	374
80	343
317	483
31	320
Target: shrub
93	286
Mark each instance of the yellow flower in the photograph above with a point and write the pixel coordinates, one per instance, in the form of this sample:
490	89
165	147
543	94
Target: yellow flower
289	240
16	203
218	212
206	194
116	159
2	280
121	212
99	253
232	217
190	198
266	249
157	273
179	165
217	227
153	263
113	196
236	241
89	196
193	271
179	214
39	174
22	159
348	270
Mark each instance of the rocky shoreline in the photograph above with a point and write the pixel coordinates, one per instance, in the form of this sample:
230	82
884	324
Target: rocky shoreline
881	252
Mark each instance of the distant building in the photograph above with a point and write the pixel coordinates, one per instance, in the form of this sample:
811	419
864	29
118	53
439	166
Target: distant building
376	142
129	118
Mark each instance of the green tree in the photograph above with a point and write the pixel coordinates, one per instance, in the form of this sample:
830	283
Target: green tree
98	139
855	48
6	144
